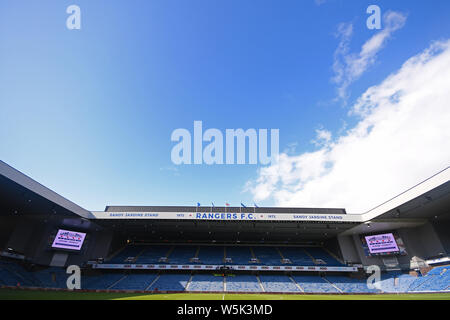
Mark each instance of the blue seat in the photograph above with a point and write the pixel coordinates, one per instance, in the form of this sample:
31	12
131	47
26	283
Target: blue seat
242	283
267	255
278	283
297	255
314	284
135	282
211	254
204	282
351	285
171	282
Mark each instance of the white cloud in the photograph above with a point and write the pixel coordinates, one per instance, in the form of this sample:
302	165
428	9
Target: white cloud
348	67
323	137
402	138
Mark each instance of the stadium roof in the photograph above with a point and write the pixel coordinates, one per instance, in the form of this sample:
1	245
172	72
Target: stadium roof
429	199
20	194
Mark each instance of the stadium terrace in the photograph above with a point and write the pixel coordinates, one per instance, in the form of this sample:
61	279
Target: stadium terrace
225	249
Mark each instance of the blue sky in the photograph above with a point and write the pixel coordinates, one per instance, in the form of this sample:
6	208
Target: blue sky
89	113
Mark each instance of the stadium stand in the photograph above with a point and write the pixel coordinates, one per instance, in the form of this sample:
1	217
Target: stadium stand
278	283
13	274
8	277
128	254
350	285
267	255
178	248
170	282
314	284
242	283
206	282
101	282
182	254
438	279
320	255
52	277
238	255
297	256
152	254
211	254
135	282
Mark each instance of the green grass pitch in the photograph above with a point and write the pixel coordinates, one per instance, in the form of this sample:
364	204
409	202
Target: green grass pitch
11	294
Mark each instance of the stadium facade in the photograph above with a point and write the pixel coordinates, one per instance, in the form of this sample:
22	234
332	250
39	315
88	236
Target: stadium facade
234	249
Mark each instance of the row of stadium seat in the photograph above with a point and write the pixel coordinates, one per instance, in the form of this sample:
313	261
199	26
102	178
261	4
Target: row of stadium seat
240	255
438	279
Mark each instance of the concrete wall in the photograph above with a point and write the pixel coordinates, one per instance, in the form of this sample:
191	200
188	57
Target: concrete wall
422	242
7	226
442	229
348	249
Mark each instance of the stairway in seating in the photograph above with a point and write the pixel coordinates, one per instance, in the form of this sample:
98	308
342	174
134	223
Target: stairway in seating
253	255
310	256
279	252
332	284
197	252
170	251
139	254
260	284
117	282
333	255
154	280
298	286
188	283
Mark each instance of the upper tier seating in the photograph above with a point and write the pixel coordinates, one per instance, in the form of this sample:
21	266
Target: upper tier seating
152	254
182	254
211	254
267	255
126	253
322	254
297	255
239	255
